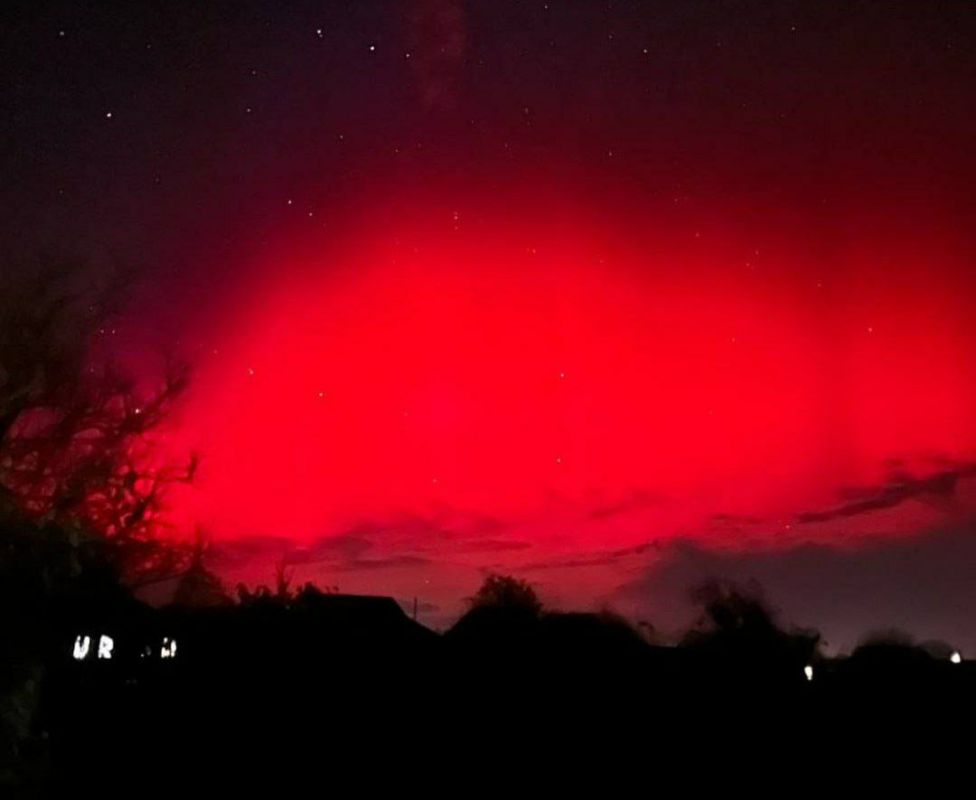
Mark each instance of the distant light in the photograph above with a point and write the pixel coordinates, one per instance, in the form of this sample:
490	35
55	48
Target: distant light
82	645
105	645
808	671
168	649
956	657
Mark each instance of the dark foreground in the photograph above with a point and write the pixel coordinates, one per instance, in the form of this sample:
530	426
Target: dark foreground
332	688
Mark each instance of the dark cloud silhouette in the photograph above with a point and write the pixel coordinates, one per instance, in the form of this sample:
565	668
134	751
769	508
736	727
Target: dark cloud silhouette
402	542
920	584
387	562
236	553
347	553
349	547
597	558
939	487
493	545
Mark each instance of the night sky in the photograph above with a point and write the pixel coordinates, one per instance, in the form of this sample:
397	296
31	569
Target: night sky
611	296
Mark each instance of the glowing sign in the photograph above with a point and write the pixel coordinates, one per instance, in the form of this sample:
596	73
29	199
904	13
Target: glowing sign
808	671
168	649
105	645
82	645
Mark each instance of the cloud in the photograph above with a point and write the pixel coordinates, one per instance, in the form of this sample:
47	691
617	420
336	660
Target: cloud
386	562
938	487
634	502
735	520
597	558
348	547
492	545
234	553
404	541
922	584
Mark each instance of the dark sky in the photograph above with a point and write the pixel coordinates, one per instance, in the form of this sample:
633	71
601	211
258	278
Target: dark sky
601	293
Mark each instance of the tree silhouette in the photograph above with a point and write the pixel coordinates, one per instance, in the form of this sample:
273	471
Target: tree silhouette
738	626
504	612
48	323
198	587
505	592
77	435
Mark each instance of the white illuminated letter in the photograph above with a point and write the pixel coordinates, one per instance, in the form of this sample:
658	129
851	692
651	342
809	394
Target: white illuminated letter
808	671
82	643
169	648
105	645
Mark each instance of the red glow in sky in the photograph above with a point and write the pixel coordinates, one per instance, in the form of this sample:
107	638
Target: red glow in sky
462	385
